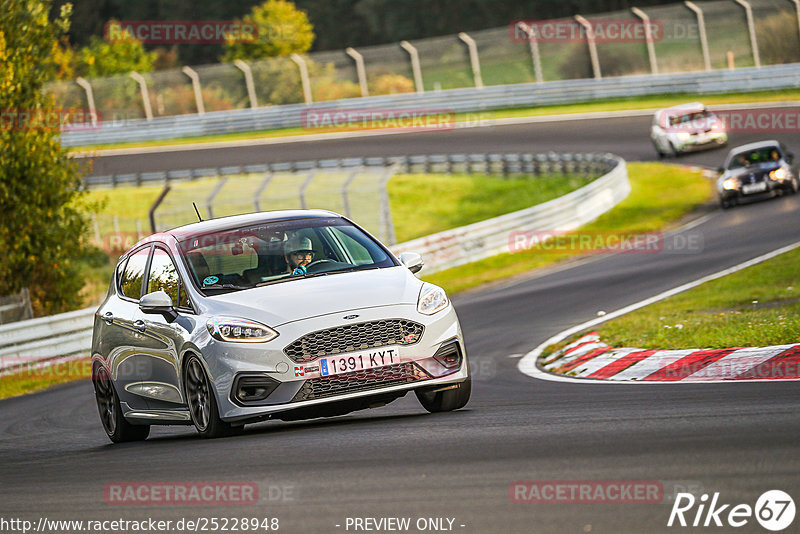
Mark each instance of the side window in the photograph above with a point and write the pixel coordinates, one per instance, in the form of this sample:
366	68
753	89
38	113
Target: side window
163	275
131	282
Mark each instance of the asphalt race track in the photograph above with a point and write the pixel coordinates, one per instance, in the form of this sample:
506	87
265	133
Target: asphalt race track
625	136
397	461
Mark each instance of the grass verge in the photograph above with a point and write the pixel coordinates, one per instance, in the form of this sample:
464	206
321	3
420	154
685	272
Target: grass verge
657	101
660	196
755	307
29	380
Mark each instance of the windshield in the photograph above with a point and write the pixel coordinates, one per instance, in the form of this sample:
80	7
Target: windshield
754	157
282	251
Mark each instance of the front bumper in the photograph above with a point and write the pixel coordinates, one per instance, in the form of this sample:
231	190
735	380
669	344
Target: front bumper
772	188
301	386
705	143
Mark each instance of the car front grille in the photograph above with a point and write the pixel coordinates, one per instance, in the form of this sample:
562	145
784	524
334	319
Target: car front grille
380	377
347	338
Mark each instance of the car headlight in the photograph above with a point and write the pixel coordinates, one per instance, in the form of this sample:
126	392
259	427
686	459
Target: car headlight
730	184
239	330
432	299
684	136
779	174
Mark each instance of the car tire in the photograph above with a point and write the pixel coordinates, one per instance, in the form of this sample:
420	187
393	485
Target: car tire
794	186
727	203
117	428
202	402
447	400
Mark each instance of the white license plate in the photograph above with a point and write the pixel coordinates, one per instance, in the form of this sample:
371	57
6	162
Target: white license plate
754	188
359	361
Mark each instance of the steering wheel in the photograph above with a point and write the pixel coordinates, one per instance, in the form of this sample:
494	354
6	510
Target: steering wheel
319	261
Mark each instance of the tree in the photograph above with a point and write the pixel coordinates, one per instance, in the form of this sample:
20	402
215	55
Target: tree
42	229
281	29
102	58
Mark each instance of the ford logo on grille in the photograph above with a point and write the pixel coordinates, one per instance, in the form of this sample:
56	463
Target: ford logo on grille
351	316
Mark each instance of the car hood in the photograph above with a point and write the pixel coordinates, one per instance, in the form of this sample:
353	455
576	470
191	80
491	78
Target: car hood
758	170
294	300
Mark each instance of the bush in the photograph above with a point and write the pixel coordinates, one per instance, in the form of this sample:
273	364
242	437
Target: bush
390	84
778	39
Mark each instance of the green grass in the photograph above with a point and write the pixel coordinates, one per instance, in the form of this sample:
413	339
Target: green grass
606	105
30	380
425	204
660	196
758	306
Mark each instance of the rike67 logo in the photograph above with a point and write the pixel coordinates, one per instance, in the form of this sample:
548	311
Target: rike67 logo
774	510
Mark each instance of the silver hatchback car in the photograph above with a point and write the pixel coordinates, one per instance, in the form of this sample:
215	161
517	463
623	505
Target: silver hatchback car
288	315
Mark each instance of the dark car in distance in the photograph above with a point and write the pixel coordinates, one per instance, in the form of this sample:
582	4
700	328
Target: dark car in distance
756	171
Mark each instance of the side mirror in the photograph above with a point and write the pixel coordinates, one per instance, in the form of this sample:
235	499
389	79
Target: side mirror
412	261
720	170
789	157
158	302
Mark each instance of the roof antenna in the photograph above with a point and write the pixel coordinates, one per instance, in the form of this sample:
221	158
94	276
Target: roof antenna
197	211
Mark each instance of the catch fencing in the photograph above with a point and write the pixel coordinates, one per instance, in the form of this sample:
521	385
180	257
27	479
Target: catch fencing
39	342
681	40
354	187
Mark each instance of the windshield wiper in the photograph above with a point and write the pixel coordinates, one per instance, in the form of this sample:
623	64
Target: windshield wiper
227	286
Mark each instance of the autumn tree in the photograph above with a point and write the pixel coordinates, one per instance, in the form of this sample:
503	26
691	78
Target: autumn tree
42	228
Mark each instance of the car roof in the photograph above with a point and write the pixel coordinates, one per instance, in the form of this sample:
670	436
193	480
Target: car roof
686	108
756	145
182	233
185	232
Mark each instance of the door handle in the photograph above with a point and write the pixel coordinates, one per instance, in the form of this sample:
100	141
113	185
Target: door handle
108	317
139	325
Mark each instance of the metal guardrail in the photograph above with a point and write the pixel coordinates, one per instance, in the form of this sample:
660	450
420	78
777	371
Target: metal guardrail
541	163
480	240
40	341
453	100
32	342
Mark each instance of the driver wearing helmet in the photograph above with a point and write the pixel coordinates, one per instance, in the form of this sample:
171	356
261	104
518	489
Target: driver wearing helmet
298	253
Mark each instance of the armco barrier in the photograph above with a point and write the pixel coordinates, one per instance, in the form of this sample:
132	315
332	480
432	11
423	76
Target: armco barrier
38	341
454	100
488	238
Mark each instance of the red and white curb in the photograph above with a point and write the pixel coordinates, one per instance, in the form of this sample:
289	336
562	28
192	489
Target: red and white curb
589	357
638	366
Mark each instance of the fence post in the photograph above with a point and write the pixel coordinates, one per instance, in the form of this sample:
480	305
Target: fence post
345	187
648	36
533	41
360	70
473	58
198	95
213	195
261	188
301	64
415	67
388	236
248	81
590	40
152	211
751	28
701	24
797	9
302	191
148	111
87	87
